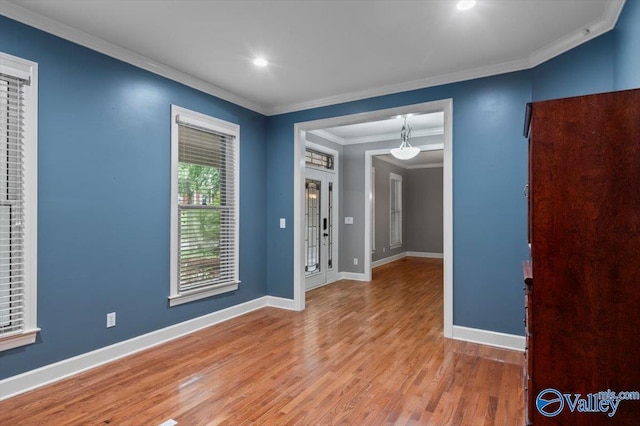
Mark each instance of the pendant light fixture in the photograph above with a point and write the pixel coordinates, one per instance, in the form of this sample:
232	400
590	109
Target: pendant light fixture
405	151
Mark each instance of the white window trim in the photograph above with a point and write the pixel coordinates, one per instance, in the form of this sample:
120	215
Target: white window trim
394	177
175	296
373	209
18	67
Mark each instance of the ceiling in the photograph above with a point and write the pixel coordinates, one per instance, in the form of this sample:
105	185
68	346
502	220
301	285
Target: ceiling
320	52
385	130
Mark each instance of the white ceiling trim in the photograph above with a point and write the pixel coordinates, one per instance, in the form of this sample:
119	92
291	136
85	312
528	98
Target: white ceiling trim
393	136
404	87
399	163
49	25
579	37
375	138
82	38
328	136
533	60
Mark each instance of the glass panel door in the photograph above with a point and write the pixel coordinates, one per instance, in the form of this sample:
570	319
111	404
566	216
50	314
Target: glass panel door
313	238
320	233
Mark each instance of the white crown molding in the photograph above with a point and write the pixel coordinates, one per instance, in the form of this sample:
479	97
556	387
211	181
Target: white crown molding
323	133
328	136
454	77
66	32
613	12
393	136
614	8
581	36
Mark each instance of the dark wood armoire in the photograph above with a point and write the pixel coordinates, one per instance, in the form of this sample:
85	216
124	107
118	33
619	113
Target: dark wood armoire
582	283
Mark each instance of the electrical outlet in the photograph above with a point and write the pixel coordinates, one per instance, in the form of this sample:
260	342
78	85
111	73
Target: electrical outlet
355	260
384	249
111	319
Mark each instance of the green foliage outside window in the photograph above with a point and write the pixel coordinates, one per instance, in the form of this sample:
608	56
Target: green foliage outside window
200	227
198	184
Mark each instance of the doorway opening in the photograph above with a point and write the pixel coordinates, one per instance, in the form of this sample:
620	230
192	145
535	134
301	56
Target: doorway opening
300	130
406	204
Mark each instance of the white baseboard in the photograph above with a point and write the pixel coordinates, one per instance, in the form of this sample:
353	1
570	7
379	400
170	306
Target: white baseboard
352	276
280	302
399	256
491	338
386	260
425	254
47	374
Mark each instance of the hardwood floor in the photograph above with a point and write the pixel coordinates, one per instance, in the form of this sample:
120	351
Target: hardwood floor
360	354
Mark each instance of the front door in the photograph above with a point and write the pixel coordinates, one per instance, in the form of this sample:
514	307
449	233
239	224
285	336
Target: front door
320	217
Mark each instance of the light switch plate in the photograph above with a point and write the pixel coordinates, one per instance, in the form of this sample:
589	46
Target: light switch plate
283	222
348	221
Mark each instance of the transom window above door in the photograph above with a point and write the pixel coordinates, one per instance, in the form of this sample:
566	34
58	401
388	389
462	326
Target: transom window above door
318	159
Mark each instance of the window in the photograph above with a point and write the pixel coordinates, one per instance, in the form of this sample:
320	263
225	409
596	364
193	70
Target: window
18	201
395	215
318	159
204	206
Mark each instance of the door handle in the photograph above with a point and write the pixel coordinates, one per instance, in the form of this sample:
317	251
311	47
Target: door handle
324	225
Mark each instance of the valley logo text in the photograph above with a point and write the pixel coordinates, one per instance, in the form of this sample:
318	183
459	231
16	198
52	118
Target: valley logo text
551	402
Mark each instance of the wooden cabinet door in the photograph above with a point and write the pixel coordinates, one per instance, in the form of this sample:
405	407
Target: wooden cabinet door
585	235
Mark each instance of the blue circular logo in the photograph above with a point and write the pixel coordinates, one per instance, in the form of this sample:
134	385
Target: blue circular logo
547	400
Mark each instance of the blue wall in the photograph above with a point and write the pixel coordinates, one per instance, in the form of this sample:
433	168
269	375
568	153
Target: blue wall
586	69
103	189
627	49
103	218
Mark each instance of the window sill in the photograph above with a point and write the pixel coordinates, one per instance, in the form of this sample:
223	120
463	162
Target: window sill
194	295
16	340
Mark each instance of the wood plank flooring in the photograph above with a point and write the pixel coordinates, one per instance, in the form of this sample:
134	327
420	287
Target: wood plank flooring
360	354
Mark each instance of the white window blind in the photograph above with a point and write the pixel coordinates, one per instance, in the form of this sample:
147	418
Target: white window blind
395	217
207	204
12	259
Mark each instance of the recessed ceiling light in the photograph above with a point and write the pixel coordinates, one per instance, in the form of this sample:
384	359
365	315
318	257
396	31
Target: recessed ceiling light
260	62
465	4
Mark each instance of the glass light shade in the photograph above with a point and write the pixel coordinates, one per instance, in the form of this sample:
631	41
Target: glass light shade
405	152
